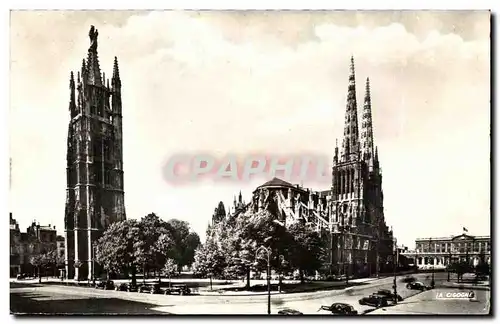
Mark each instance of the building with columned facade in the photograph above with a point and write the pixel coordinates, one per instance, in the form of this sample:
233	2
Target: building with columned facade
438	252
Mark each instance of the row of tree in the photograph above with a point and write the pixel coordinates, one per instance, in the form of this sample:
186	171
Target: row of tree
150	244
230	250
47	261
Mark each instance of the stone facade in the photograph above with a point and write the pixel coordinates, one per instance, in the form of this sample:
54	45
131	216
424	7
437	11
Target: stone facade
438	252
94	195
37	239
352	212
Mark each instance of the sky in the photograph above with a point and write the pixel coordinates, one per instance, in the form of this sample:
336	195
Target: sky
271	82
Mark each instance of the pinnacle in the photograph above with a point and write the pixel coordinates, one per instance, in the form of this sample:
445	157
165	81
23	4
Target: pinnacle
116	71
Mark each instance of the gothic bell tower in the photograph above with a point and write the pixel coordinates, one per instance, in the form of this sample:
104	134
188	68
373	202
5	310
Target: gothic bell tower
360	235
94	193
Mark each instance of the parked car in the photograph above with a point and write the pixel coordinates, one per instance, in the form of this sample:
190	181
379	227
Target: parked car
105	285
408	279
178	289
152	288
388	294
127	287
374	300
289	311
339	309
21	276
417	285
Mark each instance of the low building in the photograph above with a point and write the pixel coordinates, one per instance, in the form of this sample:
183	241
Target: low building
438	252
15	247
23	245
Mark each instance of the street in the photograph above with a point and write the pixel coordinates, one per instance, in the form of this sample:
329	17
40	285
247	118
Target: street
54	299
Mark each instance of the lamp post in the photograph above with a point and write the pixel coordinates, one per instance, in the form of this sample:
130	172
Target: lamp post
268	252
449	264
93	263
394	286
282	262
432	268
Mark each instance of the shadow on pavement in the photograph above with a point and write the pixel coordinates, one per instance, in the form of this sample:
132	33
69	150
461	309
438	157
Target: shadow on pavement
25	304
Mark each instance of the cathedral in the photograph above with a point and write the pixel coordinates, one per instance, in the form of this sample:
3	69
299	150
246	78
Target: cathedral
351	213
94	194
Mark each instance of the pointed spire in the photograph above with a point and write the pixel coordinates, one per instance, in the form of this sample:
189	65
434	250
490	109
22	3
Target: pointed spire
94	71
367	128
84	69
350	142
115	80
72	105
240	198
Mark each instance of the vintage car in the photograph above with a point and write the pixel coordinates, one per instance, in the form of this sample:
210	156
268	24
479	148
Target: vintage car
127	287
178	289
408	279
289	311
417	285
339	309
105	285
388	294
374	300
152	288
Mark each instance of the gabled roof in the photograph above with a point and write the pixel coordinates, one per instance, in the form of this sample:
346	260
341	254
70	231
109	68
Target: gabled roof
462	237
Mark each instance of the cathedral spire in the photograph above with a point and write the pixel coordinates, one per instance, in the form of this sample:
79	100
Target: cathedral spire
94	71
115	80
350	142
72	105
367	128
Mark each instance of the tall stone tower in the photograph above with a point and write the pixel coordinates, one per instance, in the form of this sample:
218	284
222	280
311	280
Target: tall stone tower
361	239
94	194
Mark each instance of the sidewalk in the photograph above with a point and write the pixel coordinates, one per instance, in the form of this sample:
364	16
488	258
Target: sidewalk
482	285
220	286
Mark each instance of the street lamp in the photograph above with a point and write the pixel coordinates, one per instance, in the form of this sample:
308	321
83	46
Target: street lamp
394	286
93	263
449	263
432	268
268	252
282	262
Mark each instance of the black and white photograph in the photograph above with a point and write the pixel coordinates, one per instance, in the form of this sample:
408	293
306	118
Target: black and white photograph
250	162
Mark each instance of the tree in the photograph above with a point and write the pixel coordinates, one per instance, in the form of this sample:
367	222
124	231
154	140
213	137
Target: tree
307	251
122	247
209	261
36	260
158	242
184	243
170	269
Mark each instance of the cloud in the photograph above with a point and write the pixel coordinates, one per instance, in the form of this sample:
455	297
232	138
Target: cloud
215	82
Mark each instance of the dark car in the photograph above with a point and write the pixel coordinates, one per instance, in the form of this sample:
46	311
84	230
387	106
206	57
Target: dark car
339	309
408	279
178	289
374	300
21	277
153	288
289	311
388	294
417	285
127	287
105	284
